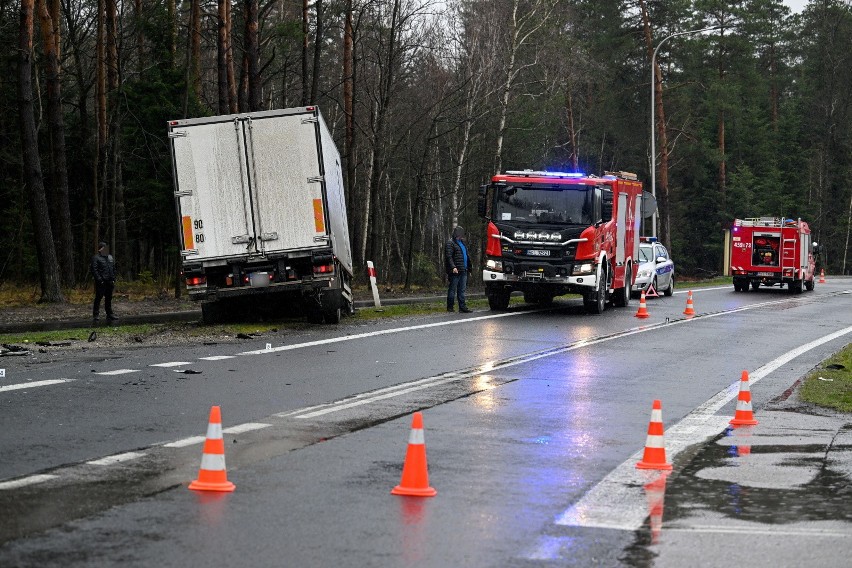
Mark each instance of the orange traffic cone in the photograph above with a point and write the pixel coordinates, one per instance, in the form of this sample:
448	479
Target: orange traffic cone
655	448
415	471
744	415
643	308
212	475
822	276
690	309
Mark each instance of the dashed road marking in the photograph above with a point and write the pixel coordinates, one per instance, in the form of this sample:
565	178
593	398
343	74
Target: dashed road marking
33	384
217	357
171	364
247	427
185	442
118	372
25	481
117	458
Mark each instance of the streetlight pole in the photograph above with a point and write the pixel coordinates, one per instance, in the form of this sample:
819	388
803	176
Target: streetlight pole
654	119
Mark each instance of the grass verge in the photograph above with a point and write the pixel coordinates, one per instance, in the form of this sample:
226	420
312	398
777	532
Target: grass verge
830	384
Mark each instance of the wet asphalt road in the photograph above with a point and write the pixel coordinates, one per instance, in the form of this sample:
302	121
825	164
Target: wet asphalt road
524	415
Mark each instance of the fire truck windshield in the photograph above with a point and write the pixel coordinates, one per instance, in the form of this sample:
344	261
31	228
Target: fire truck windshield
546	205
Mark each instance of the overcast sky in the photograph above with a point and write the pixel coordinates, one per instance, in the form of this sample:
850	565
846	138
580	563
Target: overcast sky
796	5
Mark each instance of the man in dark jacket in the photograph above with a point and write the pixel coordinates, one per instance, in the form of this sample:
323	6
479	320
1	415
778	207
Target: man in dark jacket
103	269
457	262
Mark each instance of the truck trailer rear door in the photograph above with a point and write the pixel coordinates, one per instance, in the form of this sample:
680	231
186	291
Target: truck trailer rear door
286	178
213	198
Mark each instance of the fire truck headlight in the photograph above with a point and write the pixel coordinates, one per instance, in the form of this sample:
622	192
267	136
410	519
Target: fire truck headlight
586	268
495	265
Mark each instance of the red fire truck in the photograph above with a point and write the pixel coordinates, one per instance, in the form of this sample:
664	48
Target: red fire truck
558	233
769	250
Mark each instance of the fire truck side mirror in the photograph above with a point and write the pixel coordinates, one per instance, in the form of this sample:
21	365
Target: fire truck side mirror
816	248
606	205
482	201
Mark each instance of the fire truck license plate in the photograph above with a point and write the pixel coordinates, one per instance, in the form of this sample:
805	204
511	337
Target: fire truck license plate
536	252
766	274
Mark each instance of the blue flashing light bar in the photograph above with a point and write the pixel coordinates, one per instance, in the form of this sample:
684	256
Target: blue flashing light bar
648	239
546	174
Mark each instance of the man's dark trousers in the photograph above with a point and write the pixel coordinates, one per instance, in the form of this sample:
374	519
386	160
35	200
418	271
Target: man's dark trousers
103	290
458	283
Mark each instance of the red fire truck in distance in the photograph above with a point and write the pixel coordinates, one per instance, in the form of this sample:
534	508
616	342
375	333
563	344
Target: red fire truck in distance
768	251
551	234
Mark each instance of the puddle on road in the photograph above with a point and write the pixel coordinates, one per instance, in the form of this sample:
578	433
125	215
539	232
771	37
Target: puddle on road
702	487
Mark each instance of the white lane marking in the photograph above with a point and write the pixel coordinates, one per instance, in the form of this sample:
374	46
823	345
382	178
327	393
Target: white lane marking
618	502
117	458
247	427
24	481
118	372
217	357
171	364
386	332
185	442
238	429
34	384
762	531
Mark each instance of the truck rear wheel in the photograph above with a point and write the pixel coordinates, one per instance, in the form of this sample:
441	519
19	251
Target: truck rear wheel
333	316
622	295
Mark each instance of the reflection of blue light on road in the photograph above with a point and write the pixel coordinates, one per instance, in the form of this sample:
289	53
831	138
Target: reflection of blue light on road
735	490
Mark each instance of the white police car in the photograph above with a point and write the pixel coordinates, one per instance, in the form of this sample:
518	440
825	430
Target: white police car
655	267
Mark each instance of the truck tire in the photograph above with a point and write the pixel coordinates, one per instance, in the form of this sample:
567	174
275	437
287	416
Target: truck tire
622	295
809	285
754	286
795	287
498	300
333	316
595	302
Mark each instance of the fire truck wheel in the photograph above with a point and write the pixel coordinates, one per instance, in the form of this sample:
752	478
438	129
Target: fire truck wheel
621	298
595	303
755	285
809	285
498	300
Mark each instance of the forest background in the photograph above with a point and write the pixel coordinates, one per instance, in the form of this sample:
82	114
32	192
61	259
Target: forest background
426	100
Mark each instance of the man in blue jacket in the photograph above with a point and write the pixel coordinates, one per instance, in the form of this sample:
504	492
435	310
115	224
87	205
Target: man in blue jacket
457	261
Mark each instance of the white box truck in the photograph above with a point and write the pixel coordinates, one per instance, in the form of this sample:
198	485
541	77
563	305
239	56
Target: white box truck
262	212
